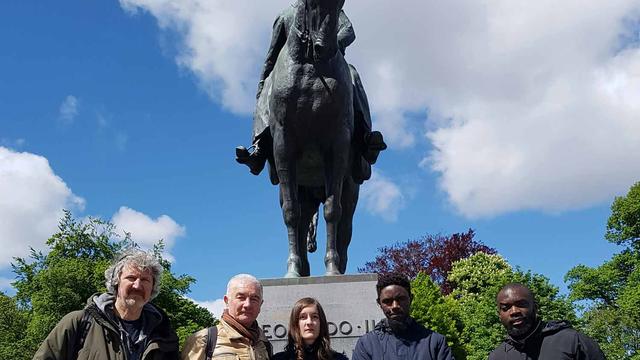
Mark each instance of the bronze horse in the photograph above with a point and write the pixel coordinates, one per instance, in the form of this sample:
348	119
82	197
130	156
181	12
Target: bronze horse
310	100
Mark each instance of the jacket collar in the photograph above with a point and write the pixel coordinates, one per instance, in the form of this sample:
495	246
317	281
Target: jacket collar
384	327
235	335
151	316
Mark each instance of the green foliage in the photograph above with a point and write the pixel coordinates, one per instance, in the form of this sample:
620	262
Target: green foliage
623	226
61	281
608	326
476	281
603	283
437	312
479	272
611	291
51	285
13	325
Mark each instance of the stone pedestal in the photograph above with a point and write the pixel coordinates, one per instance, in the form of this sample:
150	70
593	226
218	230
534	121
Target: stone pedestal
349	302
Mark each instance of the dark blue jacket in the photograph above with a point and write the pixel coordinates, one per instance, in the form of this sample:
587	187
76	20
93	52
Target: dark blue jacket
417	343
554	340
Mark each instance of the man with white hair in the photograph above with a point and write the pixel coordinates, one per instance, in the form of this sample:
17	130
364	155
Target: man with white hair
238	335
120	324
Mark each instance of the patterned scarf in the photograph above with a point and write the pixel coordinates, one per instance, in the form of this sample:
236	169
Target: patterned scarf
252	333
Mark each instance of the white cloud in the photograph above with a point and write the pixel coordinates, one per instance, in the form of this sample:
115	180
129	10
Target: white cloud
223	42
382	197
32	198
146	231
532	103
68	109
214	306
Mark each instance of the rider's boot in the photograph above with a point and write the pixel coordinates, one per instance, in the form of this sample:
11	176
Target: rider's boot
374	143
254	160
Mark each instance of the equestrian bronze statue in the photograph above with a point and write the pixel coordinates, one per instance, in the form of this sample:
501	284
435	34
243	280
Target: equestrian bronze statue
313	127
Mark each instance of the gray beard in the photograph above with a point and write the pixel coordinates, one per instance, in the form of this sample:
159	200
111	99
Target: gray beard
133	303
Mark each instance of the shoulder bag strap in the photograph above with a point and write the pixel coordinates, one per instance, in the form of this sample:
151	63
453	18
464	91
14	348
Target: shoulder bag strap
212	338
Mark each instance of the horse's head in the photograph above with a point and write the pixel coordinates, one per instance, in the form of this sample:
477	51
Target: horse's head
320	19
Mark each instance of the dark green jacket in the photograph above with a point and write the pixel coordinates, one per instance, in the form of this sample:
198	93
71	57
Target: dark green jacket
104	338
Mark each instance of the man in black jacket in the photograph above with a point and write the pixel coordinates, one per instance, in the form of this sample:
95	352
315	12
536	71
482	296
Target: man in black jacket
532	338
399	336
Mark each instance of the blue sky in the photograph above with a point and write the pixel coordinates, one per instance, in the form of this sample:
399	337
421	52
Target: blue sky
514	121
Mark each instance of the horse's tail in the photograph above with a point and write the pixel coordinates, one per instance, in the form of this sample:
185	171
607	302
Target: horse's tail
312	243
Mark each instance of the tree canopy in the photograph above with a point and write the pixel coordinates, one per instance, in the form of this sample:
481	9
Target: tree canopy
437	312
623	226
431	254
610	293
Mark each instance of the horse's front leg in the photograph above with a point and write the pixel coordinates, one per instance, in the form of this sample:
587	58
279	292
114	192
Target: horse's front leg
335	170
284	158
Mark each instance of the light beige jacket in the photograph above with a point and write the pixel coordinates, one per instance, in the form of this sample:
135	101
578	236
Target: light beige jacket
231	345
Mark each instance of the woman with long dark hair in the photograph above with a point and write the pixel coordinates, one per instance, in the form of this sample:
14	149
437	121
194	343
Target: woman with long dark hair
308	337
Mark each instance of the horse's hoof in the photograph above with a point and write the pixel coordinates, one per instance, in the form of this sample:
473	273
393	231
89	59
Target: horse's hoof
332	269
333	272
293	269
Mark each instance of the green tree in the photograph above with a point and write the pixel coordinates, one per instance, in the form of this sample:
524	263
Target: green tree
477	281
610	293
623	226
53	284
13	324
437	312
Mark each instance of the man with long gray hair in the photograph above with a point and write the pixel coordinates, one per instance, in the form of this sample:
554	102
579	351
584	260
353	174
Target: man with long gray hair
120	324
238	335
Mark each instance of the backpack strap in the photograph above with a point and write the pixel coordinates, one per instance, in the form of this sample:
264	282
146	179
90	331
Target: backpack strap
81	333
269	347
212	339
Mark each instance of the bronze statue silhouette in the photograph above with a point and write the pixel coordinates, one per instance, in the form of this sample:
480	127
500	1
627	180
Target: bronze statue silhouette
304	126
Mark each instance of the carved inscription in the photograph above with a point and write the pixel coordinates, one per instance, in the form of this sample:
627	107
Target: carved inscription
337	329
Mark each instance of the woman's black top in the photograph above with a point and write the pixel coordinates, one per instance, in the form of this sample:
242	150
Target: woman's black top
308	355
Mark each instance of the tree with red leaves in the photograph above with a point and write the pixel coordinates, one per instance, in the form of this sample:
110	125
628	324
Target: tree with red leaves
431	254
